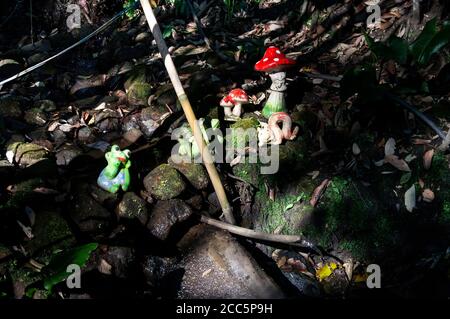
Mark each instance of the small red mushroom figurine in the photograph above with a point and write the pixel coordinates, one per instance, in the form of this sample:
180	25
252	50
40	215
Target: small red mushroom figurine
275	63
232	104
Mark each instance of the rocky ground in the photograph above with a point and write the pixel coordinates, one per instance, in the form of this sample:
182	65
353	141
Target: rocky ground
344	183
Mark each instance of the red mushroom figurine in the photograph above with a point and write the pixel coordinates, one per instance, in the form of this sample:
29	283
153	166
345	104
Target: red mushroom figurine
232	103
275	63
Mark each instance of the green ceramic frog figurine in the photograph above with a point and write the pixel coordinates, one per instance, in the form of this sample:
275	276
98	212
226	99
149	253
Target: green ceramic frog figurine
116	175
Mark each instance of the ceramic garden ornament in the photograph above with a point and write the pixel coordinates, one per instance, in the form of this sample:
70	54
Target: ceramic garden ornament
232	104
116	174
188	147
271	133
275	64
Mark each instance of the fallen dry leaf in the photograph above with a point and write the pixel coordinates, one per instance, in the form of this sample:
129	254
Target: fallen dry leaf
427	159
428	195
410	199
318	192
325	271
355	149
389	147
397	163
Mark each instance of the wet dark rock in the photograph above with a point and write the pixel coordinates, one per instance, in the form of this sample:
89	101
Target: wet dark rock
89	102
103	197
131	123
107	120
143	37
214	205
35	116
132	206
336	284
118	261
154	113
217	266
66	153
307	286
37	57
89	215
87	87
195	173
156	268
85	135
165	214
166	96
43	45
196	202
164	182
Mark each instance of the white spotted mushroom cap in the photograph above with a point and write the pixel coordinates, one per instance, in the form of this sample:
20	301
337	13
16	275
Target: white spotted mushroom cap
273	60
235	96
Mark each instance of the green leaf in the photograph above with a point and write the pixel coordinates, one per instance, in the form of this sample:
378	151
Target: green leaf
419	45
395	49
398	49
30	292
405	178
440	40
57	268
377	48
167	32
288	206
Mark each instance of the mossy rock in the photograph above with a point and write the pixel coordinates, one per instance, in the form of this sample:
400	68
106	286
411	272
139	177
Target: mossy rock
23	193
164	182
138	87
25	154
243	132
51	232
194	173
132	206
350	214
294	156
249	172
276	214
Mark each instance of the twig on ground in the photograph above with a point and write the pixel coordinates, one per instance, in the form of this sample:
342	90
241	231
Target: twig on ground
297	241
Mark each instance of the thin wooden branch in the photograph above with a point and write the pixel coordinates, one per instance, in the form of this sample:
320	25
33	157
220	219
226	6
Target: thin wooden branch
297	241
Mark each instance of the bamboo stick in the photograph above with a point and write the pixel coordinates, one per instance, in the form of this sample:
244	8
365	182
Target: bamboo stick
187	108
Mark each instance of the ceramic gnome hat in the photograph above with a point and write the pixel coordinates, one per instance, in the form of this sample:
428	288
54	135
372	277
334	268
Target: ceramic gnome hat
273	61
